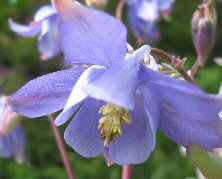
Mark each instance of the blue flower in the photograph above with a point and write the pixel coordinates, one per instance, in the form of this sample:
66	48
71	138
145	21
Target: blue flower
46	24
122	101
14	144
143	15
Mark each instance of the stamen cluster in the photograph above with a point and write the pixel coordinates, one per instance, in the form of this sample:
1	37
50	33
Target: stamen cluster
110	124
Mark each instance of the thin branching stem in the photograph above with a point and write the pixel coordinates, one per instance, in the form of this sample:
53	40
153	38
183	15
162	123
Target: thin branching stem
175	62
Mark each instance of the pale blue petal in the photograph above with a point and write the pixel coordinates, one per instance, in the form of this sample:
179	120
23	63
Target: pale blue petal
50	40
25	30
82	134
46	94
90	36
117	84
138	139
44	12
77	95
189	115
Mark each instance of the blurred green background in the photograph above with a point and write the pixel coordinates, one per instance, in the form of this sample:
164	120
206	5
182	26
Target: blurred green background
22	57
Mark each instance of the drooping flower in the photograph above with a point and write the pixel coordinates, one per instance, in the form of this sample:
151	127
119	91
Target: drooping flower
14	144
8	118
203	30
123	102
46	24
144	14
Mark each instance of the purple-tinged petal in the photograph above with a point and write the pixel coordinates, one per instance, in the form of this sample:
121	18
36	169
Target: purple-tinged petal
82	134
138	139
189	115
90	36
50	40
78	95
116	85
44	12
14	144
46	94
18	144
5	146
25	30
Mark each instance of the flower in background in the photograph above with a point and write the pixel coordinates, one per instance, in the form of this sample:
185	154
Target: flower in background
14	144
203	24
12	134
122	101
8	118
144	14
46	24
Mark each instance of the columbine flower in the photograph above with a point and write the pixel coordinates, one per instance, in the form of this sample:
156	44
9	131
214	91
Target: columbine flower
123	102
46	23
14	144
8	118
143	15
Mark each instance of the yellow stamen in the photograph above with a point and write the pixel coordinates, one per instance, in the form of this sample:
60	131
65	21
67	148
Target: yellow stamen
110	125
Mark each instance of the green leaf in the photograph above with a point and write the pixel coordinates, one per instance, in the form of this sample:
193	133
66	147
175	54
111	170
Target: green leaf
209	163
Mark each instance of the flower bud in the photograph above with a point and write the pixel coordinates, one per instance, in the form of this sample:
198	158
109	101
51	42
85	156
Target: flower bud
203	30
100	4
8	118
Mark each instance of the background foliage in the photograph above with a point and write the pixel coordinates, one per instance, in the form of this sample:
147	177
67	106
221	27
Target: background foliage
21	56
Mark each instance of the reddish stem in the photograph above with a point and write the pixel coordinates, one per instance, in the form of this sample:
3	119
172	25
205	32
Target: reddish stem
119	9
127	172
61	146
177	63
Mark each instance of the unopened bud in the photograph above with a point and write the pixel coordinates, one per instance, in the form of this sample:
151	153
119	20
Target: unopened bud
100	4
203	30
8	118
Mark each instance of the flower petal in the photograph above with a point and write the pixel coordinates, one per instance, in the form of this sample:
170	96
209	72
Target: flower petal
78	95
82	134
138	139
25	30
44	12
14	144
189	115
90	36
46	94
117	84
49	40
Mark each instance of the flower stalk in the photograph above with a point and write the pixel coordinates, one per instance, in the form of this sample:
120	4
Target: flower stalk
119	9
178	64
127	172
61	147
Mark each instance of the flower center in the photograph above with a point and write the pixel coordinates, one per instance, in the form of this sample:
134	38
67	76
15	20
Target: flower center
110	125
